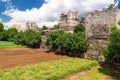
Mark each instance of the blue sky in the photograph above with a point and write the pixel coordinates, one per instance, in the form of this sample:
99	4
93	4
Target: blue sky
44	12
18	4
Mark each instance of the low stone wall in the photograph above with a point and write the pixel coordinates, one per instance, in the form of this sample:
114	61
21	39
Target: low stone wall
94	55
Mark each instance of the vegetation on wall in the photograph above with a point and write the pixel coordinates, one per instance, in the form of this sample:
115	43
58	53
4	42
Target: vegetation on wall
79	28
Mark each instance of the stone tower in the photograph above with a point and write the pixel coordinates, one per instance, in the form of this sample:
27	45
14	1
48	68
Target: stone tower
69	21
33	26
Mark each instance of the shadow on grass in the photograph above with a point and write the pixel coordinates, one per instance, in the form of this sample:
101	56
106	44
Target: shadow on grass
111	69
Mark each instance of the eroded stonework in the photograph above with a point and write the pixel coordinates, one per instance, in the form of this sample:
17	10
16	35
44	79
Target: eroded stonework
32	26
69	21
98	25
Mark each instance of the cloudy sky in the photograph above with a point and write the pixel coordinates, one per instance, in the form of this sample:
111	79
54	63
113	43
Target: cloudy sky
44	12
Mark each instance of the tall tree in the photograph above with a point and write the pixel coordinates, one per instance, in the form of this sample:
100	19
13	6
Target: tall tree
1	27
11	33
111	6
44	27
79	28
55	27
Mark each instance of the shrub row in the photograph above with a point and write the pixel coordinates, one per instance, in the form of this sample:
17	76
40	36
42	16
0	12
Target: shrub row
28	38
68	42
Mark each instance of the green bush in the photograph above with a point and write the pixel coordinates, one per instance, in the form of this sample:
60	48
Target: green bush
51	38
18	38
112	52
68	42
72	42
28	38
3	36
1	27
79	28
118	22
11	32
31	39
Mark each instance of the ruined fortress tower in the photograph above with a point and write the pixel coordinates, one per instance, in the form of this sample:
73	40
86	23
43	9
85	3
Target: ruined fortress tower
98	23
32	26
69	21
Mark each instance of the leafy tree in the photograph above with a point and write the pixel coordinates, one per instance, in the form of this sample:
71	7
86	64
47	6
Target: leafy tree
1	27
112	52
44	27
55	27
75	43
52	37
3	36
118	22
79	28
18	38
11	32
31	39
72	42
111	6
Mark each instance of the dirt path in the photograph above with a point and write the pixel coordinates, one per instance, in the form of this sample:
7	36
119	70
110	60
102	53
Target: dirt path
78	76
10	58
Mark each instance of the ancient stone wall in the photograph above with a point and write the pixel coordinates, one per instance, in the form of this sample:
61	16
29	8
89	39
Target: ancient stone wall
98	24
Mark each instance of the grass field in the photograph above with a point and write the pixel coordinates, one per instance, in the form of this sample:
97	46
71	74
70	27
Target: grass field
54	70
102	73
94	75
5	44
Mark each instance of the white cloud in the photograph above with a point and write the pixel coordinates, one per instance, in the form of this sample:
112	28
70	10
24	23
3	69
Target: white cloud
5	0
48	14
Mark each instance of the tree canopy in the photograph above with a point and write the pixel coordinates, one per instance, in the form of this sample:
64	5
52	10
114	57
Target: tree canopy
1	27
11	33
112	52
55	27
44	27
79	28
28	38
68	42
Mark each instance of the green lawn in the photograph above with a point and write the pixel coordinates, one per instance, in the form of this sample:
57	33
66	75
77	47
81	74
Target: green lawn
94	75
5	44
101	74
54	70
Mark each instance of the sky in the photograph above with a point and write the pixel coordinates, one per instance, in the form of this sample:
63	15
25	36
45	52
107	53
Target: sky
44	12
